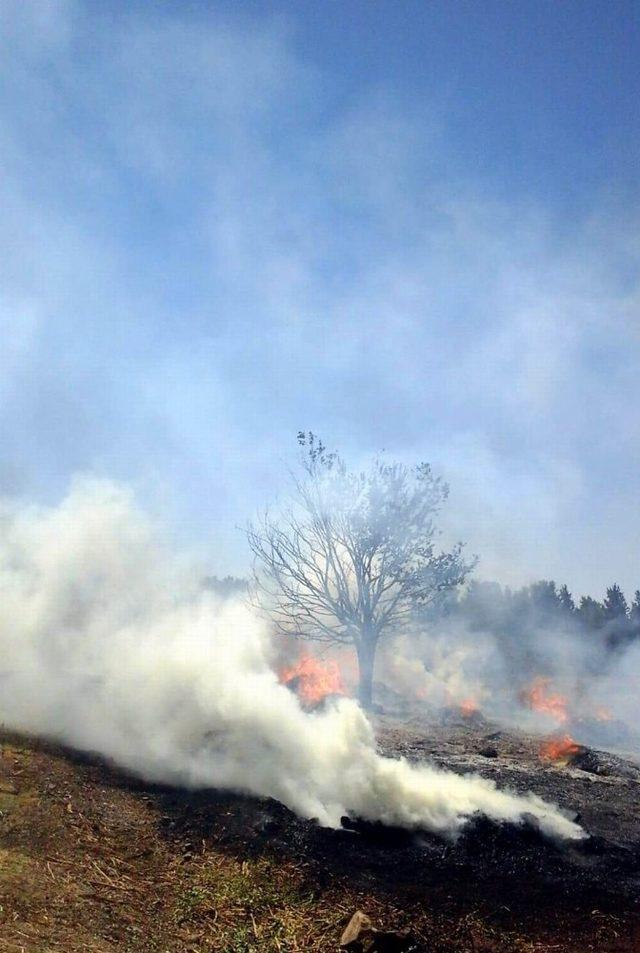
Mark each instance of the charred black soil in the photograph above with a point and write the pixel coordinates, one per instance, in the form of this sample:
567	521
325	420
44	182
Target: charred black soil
93	859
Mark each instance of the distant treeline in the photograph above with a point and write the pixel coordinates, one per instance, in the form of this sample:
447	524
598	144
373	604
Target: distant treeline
490	607
518	614
227	587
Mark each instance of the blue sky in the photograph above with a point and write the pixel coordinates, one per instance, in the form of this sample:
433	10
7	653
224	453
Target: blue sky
409	226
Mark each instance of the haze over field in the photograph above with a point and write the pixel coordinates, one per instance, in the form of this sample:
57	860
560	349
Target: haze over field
108	646
409	227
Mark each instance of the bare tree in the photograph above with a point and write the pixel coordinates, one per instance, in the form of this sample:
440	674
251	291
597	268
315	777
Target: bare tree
352	559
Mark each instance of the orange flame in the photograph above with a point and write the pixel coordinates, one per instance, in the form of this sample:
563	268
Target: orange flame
603	714
559	749
539	698
469	707
312	679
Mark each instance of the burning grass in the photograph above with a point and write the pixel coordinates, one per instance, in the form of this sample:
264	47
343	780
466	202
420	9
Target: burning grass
540	697
560	750
469	707
313	679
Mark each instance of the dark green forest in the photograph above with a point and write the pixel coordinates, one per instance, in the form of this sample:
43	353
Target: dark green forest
612	623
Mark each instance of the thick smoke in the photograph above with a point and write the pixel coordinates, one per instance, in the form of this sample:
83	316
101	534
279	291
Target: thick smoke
448	663
108	645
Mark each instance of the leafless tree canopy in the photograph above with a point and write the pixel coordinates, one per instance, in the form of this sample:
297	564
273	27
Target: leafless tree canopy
353	557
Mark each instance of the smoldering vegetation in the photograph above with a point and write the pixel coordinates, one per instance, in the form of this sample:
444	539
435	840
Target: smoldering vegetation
110	643
528	658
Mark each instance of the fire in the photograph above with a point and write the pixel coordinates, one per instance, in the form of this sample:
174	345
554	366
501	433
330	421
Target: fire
539	698
469	707
559	749
603	714
313	679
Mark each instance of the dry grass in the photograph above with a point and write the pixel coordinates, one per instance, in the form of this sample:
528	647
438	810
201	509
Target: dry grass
84	866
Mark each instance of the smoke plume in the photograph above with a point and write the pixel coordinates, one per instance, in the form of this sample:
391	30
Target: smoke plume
596	689
109	644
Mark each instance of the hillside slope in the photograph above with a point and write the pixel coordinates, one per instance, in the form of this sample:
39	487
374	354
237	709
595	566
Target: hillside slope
91	860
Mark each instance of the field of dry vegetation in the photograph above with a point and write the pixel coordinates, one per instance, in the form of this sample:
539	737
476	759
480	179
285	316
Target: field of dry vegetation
91	860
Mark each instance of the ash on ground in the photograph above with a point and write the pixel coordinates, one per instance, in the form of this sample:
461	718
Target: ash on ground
492	868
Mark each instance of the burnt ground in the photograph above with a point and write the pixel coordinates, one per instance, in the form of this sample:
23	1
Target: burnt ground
91	859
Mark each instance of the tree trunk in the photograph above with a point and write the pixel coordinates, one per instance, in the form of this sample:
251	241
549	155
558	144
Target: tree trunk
366	659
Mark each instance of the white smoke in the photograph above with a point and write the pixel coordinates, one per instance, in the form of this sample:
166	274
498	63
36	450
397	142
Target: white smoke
441	667
449	663
107	644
